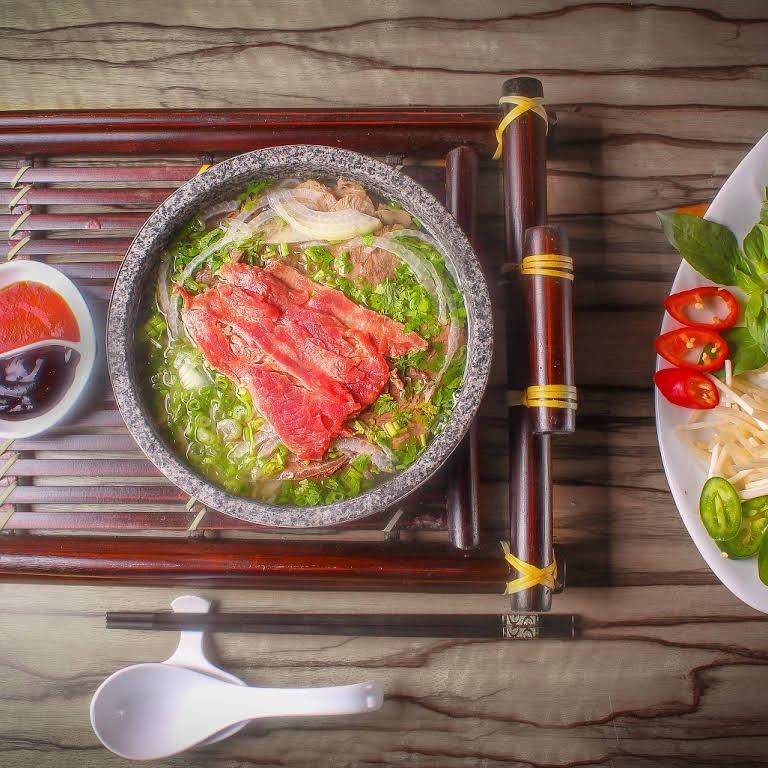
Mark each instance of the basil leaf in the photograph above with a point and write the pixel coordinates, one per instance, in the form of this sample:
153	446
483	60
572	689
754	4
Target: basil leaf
764	209
743	352
756	248
712	250
756	316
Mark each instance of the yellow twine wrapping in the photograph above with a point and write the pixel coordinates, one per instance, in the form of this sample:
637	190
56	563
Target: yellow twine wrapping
532	576
7	491
16	248
523	105
19	196
198	519
8	464
16	224
545	396
11	487
551	264
199	516
17	178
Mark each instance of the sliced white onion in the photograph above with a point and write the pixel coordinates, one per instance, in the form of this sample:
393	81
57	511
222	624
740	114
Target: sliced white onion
425	238
268	446
452	345
252	225
239	449
454	332
167	304
313	243
190	371
189	270
229	429
227	206
356	446
325	225
424	270
285	234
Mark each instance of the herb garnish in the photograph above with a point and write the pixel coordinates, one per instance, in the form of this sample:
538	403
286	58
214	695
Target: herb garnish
713	251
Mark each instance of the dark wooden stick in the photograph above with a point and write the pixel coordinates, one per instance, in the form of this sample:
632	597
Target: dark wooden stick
550	319
264	564
486	626
415	130
530	488
463	492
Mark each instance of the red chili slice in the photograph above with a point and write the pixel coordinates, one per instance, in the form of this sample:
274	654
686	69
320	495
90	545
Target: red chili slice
683	307
691	390
695	349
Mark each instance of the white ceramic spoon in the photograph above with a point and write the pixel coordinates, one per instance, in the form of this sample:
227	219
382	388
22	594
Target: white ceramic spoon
151	711
76	345
190	653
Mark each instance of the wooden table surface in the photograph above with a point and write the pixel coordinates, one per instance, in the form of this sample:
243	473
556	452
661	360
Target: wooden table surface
657	104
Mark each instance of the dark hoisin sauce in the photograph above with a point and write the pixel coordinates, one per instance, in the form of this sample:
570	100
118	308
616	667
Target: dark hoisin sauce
31	383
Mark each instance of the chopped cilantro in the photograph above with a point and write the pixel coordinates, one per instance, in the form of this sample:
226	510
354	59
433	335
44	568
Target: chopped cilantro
276	461
343	485
407	453
342	264
384	404
254	188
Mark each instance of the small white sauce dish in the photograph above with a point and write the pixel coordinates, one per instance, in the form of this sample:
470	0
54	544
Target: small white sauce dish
33	271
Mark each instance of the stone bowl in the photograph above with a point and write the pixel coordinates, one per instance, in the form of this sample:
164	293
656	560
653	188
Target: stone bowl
222	181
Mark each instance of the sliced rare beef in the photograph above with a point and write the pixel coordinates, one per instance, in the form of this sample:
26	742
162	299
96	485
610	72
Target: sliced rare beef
261	324
346	355
304	420
390	337
309	356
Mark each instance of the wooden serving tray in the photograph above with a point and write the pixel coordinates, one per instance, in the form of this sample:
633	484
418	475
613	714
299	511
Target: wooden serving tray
86	503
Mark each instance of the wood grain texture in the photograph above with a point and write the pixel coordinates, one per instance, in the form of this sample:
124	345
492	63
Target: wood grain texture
657	103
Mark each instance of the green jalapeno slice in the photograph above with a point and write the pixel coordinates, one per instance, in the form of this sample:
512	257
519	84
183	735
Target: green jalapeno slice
720	509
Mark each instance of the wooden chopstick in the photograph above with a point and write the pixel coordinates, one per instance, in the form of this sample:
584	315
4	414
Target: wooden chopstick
488	626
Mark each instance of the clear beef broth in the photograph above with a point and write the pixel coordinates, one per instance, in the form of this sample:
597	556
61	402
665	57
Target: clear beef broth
213	415
32	383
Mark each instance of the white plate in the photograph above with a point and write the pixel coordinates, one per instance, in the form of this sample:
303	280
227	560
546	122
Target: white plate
737	206
19	270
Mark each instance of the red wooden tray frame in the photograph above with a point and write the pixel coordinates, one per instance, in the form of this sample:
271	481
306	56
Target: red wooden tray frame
39	140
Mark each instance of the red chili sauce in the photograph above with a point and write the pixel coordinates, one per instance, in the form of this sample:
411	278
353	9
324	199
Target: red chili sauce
33	382
31	312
